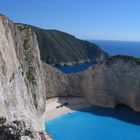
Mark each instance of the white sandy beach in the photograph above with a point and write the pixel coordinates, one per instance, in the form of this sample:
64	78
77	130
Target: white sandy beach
73	103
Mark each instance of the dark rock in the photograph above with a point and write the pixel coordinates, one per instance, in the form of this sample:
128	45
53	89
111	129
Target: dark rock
14	130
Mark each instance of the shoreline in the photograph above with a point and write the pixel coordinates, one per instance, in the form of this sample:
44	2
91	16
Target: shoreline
56	107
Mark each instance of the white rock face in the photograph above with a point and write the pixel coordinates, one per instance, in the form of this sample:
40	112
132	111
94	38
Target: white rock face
59	84
22	90
112	82
56	82
107	84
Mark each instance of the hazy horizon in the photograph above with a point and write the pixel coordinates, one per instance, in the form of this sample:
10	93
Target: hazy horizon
90	20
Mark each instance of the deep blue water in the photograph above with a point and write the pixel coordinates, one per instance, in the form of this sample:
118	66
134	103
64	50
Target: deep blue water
75	68
111	47
96	124
119	47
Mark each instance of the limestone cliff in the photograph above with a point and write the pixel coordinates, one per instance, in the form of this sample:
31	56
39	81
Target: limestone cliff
22	96
59	84
113	81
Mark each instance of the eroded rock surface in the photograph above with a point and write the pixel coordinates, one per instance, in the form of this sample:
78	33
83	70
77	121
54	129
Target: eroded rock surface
59	84
22	90
113	81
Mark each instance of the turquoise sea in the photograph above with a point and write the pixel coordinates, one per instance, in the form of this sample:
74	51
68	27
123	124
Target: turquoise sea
96	124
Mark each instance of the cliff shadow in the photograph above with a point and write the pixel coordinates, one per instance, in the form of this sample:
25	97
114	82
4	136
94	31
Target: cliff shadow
121	112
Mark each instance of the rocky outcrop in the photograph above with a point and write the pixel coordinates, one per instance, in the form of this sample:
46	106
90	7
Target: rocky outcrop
22	89
56	82
15	130
59	84
113	81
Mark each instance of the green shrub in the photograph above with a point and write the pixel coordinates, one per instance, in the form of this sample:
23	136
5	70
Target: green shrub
125	58
25	44
30	76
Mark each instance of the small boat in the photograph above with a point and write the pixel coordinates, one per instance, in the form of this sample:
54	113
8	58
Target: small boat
71	112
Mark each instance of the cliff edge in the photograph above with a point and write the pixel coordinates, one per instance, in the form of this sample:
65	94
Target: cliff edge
114	81
22	96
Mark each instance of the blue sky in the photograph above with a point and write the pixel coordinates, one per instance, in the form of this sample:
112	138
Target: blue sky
86	19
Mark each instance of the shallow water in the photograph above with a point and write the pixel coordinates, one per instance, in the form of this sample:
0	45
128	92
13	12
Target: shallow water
96	124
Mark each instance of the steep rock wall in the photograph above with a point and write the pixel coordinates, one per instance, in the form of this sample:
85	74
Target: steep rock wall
113	81
59	84
22	95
